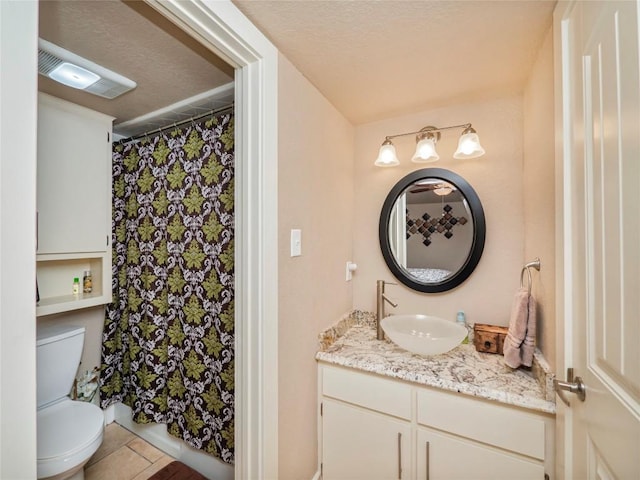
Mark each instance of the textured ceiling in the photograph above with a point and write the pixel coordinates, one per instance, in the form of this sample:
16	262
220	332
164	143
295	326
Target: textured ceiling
133	40
377	59
371	59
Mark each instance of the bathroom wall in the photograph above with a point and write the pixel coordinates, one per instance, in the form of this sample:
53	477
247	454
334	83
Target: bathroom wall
497	178
315	192
539	193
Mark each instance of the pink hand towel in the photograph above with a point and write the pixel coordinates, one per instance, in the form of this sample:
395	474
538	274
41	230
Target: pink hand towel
529	344
520	341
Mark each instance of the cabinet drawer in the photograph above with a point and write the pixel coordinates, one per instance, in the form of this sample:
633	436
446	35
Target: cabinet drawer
501	426
369	391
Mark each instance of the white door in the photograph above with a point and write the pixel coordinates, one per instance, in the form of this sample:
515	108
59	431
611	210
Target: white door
597	45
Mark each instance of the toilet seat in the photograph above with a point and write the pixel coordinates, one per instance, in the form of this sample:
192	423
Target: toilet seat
69	432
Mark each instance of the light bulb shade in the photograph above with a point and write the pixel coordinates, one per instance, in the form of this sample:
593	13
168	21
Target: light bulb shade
443	190
425	151
387	155
469	145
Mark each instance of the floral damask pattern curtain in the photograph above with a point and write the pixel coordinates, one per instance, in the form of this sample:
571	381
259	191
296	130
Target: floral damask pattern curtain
169	333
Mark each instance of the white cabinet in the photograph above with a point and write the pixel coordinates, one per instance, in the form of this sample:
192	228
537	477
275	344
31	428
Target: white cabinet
363	445
73	204
371	426
497	442
442	456
74	178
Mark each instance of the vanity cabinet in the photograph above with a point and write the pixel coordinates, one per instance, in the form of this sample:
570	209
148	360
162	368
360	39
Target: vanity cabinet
496	441
375	427
73	204
361	444
444	456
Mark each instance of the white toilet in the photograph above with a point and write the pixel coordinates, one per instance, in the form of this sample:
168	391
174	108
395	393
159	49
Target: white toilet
69	432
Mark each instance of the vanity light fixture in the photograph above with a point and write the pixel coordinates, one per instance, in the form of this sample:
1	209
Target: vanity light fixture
426	139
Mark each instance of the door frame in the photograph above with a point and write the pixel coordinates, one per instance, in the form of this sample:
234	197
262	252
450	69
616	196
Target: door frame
18	124
222	28
564	280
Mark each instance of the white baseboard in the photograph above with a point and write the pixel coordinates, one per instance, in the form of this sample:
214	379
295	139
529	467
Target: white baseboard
110	414
317	476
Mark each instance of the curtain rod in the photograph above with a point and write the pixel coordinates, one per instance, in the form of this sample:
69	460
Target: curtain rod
176	124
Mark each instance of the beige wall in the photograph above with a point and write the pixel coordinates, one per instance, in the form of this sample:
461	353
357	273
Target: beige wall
497	178
315	191
539	193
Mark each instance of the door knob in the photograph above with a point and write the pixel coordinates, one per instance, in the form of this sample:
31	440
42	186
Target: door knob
572	385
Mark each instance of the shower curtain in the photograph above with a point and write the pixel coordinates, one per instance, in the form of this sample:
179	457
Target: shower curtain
168	341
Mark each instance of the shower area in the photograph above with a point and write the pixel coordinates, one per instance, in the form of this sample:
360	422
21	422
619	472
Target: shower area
167	361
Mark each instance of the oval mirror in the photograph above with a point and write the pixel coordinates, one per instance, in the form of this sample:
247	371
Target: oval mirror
432	230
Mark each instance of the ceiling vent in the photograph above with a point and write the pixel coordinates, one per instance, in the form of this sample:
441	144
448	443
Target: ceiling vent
77	72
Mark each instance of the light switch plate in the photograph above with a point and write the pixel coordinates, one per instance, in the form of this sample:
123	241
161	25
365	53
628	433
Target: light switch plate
296	242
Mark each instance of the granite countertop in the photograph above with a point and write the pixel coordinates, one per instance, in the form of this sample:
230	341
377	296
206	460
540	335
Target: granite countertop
352	343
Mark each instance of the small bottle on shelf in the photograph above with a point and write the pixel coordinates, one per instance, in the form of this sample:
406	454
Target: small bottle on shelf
87	282
76	285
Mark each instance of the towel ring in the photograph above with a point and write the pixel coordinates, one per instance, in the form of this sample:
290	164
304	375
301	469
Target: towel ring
535	264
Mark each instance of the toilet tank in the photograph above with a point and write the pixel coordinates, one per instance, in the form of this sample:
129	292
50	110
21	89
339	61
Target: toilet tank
58	352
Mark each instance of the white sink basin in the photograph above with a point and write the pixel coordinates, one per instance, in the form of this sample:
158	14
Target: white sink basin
423	334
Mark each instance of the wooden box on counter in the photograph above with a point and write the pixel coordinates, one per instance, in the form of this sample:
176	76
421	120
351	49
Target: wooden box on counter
489	338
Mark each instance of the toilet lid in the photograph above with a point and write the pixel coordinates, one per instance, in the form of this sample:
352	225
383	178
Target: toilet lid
66	427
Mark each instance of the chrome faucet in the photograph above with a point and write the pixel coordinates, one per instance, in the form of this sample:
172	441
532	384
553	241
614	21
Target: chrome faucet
381	298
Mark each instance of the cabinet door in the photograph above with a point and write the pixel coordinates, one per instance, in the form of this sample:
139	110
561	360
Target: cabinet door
73	179
360	444
446	457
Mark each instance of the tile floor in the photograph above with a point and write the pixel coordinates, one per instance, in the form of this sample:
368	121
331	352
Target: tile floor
124	456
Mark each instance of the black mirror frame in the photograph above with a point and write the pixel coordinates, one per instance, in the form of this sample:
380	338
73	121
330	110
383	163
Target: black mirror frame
479	230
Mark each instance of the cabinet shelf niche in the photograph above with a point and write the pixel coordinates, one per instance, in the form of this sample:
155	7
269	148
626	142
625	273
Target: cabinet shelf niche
55	275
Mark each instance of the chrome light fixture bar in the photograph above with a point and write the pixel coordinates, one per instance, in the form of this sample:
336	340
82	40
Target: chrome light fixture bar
426	139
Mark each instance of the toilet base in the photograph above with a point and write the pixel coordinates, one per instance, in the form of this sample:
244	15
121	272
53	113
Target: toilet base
74	474
79	475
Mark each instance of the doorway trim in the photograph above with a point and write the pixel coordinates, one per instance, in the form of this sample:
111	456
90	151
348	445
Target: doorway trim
222	28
